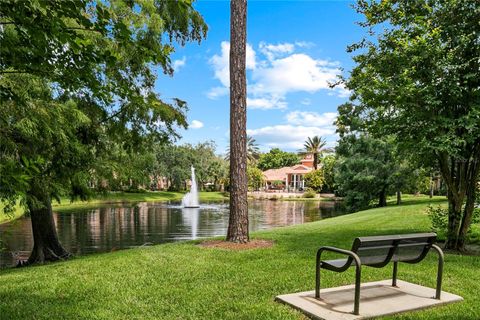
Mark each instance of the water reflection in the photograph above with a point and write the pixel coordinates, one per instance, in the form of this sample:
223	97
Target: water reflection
110	228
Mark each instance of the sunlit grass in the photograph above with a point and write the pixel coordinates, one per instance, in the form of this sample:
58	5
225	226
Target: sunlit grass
185	281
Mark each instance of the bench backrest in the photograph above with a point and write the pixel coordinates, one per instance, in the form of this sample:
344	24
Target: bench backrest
378	251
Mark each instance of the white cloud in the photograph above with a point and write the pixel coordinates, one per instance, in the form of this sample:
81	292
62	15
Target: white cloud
195	124
306	102
221	64
177	64
287	136
297	72
272	51
280	72
311	118
298	127
304	44
265	103
216	92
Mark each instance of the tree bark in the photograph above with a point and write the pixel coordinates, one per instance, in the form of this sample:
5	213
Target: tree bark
431	187
461	177
46	245
399	197
315	160
238	221
382	201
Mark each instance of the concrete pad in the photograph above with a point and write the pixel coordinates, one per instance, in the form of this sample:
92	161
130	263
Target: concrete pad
376	299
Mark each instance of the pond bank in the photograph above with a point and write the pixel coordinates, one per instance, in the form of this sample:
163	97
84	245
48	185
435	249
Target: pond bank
115	197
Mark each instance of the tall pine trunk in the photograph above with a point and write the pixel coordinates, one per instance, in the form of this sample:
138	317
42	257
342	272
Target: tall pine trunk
238	221
46	246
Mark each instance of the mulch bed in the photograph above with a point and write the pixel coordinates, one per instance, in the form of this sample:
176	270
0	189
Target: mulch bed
253	244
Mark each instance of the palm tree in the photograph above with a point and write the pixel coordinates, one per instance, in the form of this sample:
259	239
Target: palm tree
314	146
238	219
253	152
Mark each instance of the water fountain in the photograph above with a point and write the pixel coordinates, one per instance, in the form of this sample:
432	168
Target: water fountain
190	200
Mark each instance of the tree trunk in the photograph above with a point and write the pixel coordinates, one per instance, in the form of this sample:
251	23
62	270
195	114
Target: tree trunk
431	187
461	177
382	201
315	161
238	221
467	218
399	197
46	246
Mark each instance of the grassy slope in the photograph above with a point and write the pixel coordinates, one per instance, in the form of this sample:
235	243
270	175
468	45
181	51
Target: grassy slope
184	281
116	197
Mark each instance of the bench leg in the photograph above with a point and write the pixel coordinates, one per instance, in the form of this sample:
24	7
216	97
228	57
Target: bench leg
358	273
317	276
394	278
439	271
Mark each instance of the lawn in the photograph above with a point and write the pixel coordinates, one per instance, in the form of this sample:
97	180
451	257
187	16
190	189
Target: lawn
17	213
185	281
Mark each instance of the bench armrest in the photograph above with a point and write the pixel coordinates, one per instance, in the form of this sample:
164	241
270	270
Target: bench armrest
358	267
349	253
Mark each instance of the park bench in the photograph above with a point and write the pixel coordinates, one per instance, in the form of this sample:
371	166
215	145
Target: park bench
377	252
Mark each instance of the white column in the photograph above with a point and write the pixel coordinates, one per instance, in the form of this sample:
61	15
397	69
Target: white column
294	182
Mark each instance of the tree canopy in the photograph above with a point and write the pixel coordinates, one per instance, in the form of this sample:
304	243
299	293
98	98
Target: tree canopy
277	158
76	80
417	78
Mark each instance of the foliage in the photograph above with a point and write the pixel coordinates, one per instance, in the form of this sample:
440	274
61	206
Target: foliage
309	193
416	78
77	78
255	178
363	171
277	158
206	276
77	75
328	165
174	162
277	183
439	219
253	152
314	146
315	180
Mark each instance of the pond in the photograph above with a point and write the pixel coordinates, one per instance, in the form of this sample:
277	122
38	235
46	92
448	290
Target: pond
122	226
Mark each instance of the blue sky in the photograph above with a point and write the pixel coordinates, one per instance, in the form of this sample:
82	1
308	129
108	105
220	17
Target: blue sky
294	49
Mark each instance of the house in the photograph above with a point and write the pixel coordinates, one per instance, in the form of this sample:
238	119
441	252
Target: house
289	178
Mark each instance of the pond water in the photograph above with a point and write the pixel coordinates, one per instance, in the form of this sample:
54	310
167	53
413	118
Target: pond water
115	227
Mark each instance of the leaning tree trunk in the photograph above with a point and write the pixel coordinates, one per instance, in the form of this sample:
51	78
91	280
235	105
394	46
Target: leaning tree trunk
238	221
46	246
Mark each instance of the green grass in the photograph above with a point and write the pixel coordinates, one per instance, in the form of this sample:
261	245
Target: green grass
17	213
120	197
185	281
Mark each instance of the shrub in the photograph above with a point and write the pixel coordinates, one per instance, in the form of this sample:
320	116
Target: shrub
310	193
314	180
439	220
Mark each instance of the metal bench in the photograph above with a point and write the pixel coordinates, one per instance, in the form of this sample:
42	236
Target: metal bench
377	252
